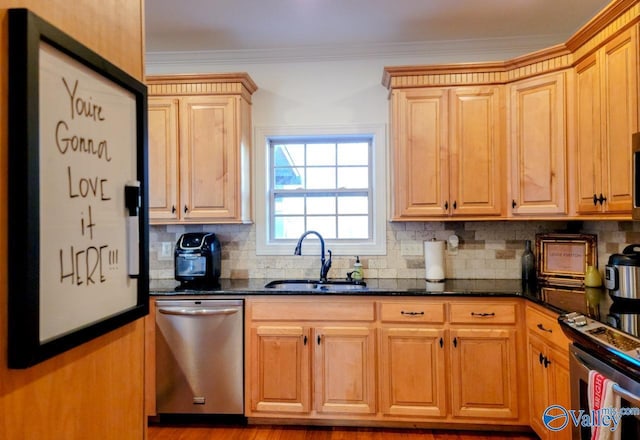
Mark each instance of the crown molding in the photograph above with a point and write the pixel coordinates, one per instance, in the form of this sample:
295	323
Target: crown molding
451	50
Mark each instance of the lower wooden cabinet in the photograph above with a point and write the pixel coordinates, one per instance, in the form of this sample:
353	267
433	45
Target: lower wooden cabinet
386	360
344	366
413	379
484	381
548	359
279	366
306	360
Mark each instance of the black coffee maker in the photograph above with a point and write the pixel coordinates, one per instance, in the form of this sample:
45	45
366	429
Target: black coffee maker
198	259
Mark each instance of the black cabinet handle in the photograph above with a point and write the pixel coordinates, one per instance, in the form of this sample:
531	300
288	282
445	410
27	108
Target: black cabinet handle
304	340
441	343
595	200
513	204
411	313
455	342
540	358
318	339
186	209
541	327
546	362
455	205
173	209
446	206
602	199
482	315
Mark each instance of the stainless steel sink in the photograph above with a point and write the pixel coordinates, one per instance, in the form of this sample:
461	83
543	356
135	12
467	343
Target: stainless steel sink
317	286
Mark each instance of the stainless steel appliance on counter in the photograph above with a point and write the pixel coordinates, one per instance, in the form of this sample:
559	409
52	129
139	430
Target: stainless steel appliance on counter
198	258
622	274
199	356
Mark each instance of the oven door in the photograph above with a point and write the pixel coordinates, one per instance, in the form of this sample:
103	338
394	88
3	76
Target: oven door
580	363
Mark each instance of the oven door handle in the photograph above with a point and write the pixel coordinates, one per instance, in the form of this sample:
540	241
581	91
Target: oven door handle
182	311
628	396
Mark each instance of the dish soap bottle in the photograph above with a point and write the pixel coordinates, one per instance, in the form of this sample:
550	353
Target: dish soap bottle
357	270
528	265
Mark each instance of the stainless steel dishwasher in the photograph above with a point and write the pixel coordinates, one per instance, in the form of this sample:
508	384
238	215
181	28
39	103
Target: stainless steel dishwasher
199	356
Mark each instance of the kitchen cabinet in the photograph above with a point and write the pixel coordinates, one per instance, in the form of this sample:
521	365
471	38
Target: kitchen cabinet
446	157
294	341
538	145
413	381
345	369
484	360
280	381
199	148
548	359
606	117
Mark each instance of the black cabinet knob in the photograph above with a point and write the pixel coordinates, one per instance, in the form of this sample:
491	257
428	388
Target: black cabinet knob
513	204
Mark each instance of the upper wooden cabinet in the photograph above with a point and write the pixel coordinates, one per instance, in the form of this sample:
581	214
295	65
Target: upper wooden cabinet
572	109
606	117
447	151
538	145
200	148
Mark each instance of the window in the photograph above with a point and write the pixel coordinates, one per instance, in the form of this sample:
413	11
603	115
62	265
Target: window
320	184
327	180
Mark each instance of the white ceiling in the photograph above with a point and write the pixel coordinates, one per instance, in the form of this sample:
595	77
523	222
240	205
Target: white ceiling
271	26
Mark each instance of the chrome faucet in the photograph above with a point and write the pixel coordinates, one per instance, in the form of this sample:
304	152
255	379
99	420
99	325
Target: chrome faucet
325	265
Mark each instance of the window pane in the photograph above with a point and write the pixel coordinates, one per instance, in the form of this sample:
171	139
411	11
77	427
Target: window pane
353	227
353	205
291	155
353	154
321	205
325	225
288	178
288	227
321	154
353	177
289	205
321	178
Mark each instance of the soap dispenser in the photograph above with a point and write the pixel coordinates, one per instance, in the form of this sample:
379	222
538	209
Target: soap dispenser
357	270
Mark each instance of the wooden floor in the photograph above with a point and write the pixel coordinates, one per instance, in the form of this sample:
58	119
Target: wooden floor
262	432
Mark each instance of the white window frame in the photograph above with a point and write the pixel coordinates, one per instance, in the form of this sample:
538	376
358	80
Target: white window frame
378	243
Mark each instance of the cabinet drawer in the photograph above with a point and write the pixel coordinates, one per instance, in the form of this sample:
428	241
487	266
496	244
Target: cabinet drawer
546	326
312	309
412	312
482	313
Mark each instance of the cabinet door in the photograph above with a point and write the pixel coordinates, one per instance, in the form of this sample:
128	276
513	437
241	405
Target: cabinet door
476	151
559	386
412	376
279	369
484	380
588	122
619	117
163	159
420	153
538	146
539	398
208	158
345	370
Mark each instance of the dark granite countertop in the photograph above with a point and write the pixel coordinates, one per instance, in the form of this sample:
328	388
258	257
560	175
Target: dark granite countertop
374	287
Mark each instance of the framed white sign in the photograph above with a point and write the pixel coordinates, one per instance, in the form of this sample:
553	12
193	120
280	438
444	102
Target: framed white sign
78	234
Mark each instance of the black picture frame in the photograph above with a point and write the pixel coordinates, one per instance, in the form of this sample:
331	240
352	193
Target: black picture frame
26	346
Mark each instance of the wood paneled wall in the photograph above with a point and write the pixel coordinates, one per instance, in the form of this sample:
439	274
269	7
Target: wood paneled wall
94	391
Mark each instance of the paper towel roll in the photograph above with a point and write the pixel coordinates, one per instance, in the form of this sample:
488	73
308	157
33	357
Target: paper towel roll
434	260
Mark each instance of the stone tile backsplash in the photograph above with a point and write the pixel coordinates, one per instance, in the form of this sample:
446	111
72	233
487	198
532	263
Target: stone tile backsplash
487	250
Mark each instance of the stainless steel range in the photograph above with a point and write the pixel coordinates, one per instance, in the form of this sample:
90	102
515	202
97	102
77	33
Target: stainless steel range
615	354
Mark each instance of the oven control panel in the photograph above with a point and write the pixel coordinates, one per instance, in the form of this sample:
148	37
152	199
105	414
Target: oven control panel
604	334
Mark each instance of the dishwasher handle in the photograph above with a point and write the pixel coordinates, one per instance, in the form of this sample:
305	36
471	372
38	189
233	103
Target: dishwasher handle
185	311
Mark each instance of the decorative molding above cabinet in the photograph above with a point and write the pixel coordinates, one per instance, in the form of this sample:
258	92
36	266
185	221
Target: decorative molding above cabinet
570	112
200	148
